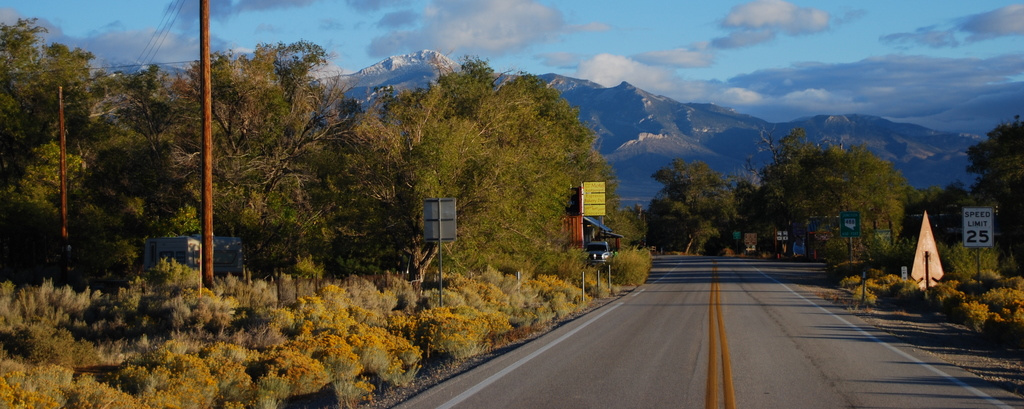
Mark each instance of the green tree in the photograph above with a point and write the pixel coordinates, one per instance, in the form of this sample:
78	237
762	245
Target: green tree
694	206
272	121
505	148
31	75
997	162
943	206
805	181
630	222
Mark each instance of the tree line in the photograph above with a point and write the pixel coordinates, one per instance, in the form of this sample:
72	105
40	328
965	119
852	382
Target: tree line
806	184
315	182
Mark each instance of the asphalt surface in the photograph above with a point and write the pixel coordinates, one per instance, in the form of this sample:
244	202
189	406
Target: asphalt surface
770	344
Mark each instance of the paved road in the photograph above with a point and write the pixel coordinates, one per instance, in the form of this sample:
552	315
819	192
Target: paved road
771	345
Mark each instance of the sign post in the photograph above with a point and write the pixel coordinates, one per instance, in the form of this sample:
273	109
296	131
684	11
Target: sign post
750	240
781	236
849	227
978	227
849	224
439	226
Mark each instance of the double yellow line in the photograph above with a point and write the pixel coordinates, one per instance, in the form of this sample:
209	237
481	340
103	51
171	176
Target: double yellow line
716	337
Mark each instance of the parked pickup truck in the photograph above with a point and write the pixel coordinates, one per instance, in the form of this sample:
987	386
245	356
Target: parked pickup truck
598	252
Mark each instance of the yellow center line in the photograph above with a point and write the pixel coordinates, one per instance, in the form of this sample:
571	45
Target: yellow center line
717	319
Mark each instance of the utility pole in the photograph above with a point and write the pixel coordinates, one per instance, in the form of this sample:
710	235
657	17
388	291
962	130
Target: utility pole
65	247
207	160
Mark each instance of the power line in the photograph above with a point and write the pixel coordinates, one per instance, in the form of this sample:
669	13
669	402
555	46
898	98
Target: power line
160	35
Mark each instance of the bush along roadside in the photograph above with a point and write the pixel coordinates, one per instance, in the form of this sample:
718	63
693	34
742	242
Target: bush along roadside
164	342
987	303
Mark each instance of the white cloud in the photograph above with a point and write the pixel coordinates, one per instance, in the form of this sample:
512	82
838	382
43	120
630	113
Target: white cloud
739	97
898	87
1002	22
397	19
777	14
560	59
746	38
494	27
1005	21
761	20
679	57
611	70
374	5
927	36
590	27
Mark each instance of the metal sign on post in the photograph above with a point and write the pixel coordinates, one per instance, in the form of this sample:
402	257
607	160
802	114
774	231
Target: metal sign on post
849	224
439	219
978	227
439	226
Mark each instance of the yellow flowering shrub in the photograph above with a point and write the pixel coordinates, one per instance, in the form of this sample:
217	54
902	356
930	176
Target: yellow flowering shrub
167	377
335	353
481	295
16	396
319	314
227	367
301	373
1008	327
462	332
39	387
87	393
1005	298
391	357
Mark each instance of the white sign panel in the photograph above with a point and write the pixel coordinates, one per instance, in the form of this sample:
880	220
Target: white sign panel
979	229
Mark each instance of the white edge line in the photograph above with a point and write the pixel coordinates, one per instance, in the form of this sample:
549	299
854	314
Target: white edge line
493	378
937	371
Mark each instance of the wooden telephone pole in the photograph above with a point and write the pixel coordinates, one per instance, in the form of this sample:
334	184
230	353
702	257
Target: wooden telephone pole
65	247
207	196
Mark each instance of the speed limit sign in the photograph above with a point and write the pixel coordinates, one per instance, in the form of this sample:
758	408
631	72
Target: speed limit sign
979	226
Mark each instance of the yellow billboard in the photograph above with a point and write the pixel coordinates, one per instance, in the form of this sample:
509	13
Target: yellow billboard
593	187
593	199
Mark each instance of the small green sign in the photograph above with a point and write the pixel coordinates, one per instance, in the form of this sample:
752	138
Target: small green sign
735	235
849	224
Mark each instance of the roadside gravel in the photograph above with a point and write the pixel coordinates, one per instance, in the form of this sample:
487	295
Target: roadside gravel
930	332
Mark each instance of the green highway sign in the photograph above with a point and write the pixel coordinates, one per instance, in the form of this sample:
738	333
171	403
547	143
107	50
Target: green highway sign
849	224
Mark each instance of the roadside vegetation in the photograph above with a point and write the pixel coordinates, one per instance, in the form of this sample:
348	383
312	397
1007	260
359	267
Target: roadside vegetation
164	342
326	192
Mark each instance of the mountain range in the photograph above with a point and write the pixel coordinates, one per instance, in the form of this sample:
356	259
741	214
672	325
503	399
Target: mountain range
639	132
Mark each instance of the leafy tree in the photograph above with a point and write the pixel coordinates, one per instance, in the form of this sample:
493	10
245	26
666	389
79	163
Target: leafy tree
943	206
272	119
997	162
505	148
30	76
630	222
695	205
807	181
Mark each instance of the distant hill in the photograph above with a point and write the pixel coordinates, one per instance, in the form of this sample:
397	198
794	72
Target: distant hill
639	132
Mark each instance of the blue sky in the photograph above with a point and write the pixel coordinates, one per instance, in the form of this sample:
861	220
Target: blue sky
949	65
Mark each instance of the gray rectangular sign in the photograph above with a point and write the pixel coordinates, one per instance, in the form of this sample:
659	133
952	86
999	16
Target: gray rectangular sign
439	219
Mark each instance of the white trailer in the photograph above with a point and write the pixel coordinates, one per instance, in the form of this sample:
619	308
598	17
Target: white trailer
228	257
